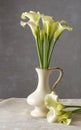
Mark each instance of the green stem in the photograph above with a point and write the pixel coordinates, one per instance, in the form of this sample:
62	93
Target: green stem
49	47
38	51
51	51
42	53
76	111
47	51
67	106
46	48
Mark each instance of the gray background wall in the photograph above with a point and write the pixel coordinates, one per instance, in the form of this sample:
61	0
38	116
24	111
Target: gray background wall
18	57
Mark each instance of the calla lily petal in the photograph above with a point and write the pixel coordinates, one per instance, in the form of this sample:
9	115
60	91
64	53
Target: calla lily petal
60	29
41	36
62	118
33	16
51	100
51	116
65	118
49	26
23	24
34	28
65	121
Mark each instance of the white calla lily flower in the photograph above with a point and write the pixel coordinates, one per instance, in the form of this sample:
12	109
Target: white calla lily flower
60	29
51	100
56	113
65	118
33	16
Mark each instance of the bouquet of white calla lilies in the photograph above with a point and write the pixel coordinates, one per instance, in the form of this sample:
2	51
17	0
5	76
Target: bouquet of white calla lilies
46	35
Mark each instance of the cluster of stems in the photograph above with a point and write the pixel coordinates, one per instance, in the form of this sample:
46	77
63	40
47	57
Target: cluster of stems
44	51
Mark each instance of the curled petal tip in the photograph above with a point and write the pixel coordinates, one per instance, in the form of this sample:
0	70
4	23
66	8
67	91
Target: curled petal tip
23	15
23	24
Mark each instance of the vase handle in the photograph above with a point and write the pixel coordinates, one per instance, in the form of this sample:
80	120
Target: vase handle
59	78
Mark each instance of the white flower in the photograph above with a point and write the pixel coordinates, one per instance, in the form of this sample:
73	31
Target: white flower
49	26
56	113
65	118
33	16
51	101
60	29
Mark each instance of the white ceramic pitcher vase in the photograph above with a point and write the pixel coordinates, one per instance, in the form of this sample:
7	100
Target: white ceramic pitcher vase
36	99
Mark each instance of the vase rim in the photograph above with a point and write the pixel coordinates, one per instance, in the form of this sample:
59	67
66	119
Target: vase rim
37	68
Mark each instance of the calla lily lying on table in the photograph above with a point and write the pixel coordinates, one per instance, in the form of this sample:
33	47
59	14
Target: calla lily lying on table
57	111
46	35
